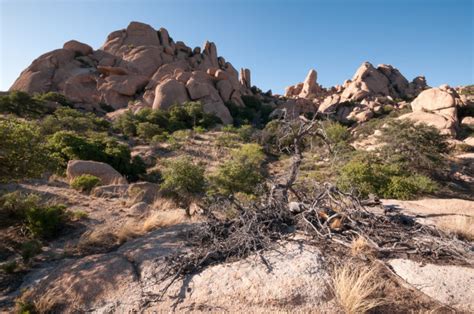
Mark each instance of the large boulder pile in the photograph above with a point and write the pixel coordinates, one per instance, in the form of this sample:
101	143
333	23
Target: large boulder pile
369	92
138	65
437	107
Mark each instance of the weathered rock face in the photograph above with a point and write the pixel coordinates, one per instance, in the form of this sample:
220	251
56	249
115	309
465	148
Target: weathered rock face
138	64
437	107
103	171
307	89
370	90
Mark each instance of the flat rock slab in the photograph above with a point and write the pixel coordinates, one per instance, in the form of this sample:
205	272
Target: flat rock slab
450	285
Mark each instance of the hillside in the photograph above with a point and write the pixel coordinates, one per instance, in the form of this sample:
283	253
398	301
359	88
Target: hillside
151	176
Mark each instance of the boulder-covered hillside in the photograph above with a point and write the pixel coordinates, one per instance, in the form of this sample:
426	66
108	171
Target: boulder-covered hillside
147	176
137	65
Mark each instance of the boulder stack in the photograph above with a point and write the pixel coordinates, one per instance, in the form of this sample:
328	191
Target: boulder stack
437	107
138	65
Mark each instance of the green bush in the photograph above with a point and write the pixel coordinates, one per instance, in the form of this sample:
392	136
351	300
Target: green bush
336	132
15	204
54	97
21	104
253	112
67	119
66	145
30	249
403	187
85	183
22	151
369	175
9	267
183	178
45	222
417	147
126	123
242	173
179	117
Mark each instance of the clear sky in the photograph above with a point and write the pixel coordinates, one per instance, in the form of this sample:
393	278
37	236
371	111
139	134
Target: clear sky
278	40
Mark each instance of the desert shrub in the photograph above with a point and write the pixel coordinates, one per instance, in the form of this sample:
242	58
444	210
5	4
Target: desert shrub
417	147
254	112
183	177
336	132
45	221
54	97
369	175
85	183
22	151
15	204
242	173
160	138
126	123
179	117
22	104
147	130
72	120
30	249
66	145
405	187
9	267
227	140
181	135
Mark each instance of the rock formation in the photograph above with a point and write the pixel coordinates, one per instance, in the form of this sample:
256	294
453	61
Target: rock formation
359	99
138	65
369	91
307	89
103	171
437	107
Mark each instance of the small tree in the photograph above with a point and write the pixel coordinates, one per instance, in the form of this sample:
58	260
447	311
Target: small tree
242	173
417	147
183	178
22	151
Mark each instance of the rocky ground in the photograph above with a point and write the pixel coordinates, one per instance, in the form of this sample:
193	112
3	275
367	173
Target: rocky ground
112	258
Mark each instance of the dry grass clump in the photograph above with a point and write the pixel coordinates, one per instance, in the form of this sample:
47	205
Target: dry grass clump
355	287
164	219
128	231
360	245
97	241
460	226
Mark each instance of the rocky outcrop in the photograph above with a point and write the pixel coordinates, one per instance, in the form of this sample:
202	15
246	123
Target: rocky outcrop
141	65
307	89
370	91
103	171
437	107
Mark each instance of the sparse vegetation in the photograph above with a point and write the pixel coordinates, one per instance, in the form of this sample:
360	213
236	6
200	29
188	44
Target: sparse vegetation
85	183
242	173
355	288
45	221
23	154
460	226
148	124
183	178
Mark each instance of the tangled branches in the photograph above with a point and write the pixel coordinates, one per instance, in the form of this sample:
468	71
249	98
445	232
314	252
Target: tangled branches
321	212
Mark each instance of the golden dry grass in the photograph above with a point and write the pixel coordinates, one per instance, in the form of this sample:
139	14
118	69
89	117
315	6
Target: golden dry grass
128	231
355	287
461	226
360	245
164	219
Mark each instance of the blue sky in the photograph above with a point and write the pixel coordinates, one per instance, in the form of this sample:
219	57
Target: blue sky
278	40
